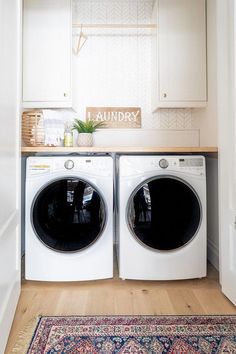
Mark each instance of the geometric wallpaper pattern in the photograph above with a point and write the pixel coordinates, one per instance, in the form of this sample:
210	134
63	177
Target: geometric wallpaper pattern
174	118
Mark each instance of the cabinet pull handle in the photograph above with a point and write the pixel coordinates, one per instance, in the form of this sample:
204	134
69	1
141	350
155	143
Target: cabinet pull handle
164	95
65	94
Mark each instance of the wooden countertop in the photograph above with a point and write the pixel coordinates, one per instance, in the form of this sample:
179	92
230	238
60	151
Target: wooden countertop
119	149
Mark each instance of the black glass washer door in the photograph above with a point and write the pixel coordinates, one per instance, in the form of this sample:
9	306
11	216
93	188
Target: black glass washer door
68	215
164	213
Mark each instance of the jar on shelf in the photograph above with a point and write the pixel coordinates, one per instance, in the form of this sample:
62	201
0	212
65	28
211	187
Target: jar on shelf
68	135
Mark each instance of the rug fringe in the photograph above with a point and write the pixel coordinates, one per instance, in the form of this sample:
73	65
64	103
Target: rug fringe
25	336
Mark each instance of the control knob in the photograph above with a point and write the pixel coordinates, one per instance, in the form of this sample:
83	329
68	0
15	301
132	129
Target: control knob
69	164
163	163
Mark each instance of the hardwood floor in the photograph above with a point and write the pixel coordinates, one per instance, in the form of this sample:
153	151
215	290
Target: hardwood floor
119	297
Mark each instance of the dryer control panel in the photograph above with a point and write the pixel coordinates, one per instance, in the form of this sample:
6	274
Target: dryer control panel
189	162
140	165
194	165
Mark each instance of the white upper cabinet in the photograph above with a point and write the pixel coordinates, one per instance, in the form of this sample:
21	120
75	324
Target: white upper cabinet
179	54
47	36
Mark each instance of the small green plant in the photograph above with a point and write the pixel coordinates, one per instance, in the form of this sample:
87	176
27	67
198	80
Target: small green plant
86	127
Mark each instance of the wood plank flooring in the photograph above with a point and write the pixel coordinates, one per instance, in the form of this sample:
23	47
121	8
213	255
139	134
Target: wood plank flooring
120	297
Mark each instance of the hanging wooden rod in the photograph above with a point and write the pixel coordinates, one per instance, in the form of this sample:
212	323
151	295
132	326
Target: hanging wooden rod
107	26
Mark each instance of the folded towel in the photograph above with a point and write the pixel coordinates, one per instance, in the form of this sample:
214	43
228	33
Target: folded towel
54	125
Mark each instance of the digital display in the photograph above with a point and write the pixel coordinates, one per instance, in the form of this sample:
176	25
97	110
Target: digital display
191	162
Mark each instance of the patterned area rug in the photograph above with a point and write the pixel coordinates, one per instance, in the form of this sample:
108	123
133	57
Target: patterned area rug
134	334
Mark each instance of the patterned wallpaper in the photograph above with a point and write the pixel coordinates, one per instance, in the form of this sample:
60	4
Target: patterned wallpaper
174	118
112	11
114	66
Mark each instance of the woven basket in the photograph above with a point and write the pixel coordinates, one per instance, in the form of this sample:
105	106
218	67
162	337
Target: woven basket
33	128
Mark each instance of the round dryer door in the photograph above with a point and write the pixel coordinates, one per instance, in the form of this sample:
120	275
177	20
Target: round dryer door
164	213
68	214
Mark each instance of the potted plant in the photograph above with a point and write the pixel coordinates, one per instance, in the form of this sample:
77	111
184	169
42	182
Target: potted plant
85	131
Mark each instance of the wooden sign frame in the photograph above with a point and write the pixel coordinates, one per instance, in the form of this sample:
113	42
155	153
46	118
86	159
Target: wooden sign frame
115	117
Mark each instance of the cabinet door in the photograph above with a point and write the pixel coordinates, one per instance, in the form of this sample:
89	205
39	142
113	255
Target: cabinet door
226	62
181	26
10	260
47	35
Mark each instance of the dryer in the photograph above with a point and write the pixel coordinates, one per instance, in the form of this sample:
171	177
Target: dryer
162	217
69	218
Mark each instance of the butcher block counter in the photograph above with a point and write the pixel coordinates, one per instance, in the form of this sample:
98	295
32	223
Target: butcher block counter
119	149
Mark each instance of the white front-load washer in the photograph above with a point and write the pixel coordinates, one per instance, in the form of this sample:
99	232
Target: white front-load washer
69	218
162	217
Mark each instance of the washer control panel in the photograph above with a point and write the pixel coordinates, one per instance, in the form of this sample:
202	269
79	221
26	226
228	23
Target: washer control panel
80	165
69	164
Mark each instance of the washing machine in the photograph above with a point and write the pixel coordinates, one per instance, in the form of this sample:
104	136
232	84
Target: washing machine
162	217
69	218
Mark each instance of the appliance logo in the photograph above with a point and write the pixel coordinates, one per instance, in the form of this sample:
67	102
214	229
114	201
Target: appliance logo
115	117
38	167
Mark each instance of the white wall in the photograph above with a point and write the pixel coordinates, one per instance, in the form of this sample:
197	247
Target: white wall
114	69
206	119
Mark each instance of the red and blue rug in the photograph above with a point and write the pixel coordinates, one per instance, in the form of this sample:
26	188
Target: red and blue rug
134	335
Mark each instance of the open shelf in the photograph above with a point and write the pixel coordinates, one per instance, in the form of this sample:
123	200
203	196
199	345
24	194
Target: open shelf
120	149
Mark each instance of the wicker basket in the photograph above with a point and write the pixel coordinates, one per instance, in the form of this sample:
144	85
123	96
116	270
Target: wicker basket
33	128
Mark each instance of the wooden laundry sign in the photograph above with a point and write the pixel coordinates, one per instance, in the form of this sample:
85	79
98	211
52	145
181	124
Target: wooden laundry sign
115	117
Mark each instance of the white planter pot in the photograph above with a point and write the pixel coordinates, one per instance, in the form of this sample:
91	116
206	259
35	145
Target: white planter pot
85	139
